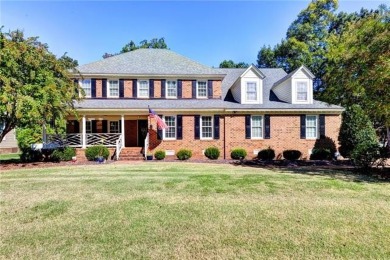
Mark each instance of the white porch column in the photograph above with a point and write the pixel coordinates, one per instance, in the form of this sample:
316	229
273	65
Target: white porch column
123	130
84	133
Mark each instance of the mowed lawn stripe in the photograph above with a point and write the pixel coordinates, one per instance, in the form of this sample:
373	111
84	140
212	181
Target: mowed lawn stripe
191	210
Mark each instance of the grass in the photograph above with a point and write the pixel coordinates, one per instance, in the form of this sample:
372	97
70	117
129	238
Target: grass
9	157
191	211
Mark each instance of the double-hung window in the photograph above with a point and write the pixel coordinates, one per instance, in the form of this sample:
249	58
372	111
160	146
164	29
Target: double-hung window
170	132
301	91
201	89
143	88
86	86
311	127
88	127
257	127
114	127
206	127
171	86
251	91
113	88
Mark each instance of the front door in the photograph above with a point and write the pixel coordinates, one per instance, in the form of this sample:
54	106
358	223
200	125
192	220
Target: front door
142	132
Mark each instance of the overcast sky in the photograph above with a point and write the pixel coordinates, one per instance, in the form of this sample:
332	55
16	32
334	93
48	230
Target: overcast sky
205	31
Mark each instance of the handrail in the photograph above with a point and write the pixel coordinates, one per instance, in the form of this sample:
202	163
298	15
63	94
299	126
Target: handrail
75	140
119	147
146	147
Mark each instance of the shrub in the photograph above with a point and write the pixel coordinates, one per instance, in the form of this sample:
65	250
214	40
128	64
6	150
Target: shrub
212	153
367	150
266	154
159	155
238	154
292	155
95	151
30	155
63	154
184	154
321	154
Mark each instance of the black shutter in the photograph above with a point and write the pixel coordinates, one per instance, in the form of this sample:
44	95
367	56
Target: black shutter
216	126
135	88
76	126
163	88
93	88
120	126
104	126
179	88
121	88
210	88
104	87
247	127
267	125
303	127
322	126
197	127
93	126
179	135
151	88
160	131
194	89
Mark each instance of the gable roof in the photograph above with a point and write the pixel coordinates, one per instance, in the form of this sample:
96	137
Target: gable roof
292	73
148	62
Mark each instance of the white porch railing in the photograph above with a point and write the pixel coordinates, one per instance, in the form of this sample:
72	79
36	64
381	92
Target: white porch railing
119	147
76	140
146	147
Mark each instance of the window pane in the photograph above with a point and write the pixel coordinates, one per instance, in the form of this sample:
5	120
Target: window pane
311	126
88	127
143	88
202	89
207	127
114	127
171	88
257	127
301	91
251	91
170	132
113	88
86	85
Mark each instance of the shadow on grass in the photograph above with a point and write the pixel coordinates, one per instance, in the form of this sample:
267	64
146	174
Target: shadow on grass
336	170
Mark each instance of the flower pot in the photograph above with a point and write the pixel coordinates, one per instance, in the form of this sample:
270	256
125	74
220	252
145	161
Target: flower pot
100	159
149	157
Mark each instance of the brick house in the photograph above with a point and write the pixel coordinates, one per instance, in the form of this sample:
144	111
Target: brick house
227	108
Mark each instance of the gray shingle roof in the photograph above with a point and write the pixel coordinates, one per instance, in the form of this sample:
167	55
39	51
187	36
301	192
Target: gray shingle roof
148	62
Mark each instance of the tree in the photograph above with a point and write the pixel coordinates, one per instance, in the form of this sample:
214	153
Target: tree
231	64
35	87
358	68
266	58
145	44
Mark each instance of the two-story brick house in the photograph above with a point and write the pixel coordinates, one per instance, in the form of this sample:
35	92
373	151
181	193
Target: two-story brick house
228	108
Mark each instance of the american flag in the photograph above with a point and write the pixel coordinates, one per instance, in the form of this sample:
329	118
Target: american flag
160	123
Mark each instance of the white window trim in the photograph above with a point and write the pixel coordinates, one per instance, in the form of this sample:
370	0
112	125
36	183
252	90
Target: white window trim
317	127
212	128
138	88
88	131
170	138
90	86
246	91
166	88
259	89
108	88
109	126
295	91
262	128
197	89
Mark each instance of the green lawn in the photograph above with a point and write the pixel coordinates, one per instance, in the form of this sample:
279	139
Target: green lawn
191	211
9	156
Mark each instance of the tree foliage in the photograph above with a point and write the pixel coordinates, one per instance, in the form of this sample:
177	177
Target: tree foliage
35	86
358	70
231	64
145	44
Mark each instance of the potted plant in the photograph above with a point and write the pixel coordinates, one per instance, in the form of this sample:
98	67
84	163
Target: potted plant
99	157
149	155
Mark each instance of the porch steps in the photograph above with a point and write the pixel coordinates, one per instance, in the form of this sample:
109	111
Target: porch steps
131	154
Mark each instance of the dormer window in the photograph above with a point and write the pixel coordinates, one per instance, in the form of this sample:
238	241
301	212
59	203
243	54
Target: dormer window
251	91
302	90
143	88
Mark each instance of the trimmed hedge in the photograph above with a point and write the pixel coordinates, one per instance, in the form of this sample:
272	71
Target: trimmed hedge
238	154
159	155
292	155
93	152
321	154
63	154
266	154
212	153
184	154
